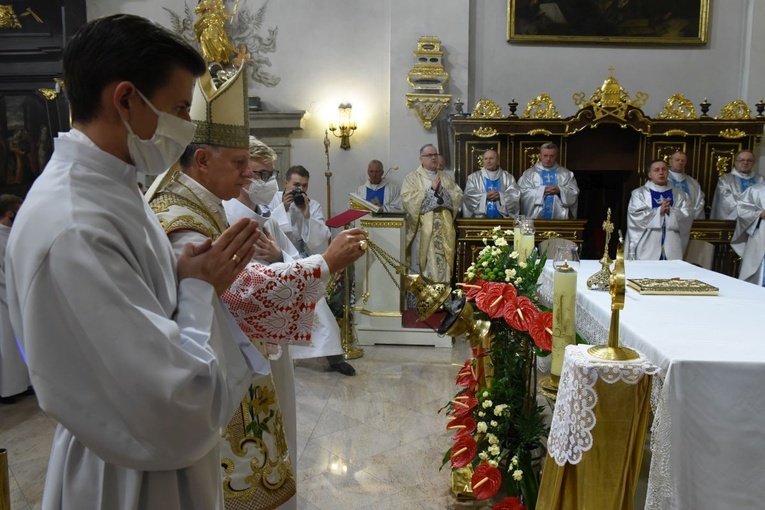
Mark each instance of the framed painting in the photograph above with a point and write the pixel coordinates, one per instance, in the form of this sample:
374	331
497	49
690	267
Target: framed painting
634	22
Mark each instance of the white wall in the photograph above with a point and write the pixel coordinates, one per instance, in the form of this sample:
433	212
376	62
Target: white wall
361	51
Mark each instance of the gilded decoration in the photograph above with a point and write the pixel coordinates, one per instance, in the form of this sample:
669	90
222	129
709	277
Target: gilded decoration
722	164
49	94
541	107
9	19
610	99
678	107
732	133
485	132
540	131
427	106
735	110
675	132
487	109
382	224
428	74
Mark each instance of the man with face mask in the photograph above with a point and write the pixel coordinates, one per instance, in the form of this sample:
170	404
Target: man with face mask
120	336
14	378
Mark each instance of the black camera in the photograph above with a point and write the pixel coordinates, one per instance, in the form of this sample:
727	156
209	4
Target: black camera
298	198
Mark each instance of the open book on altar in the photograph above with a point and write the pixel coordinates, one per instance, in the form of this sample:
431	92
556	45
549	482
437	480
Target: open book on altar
362	204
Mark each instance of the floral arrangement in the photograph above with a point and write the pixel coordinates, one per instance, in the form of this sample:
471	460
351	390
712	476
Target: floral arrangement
495	416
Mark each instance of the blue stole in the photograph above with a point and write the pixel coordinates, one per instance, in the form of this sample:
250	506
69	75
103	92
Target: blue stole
378	193
683	185
492	207
657	197
549	178
745	183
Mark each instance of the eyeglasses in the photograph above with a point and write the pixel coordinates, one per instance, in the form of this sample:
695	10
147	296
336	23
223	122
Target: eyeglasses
265	174
432	155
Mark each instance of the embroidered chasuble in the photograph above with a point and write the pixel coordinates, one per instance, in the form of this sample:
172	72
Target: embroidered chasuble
657	198
549	178
256	468
681	184
492	209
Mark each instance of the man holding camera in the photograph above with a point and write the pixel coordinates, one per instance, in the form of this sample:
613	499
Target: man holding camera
302	221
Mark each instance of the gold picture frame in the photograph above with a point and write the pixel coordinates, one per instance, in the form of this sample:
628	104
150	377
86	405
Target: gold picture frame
616	22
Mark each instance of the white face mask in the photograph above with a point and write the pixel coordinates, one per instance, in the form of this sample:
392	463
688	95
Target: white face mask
163	149
262	192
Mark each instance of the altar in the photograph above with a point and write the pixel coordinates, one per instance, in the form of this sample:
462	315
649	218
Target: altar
708	439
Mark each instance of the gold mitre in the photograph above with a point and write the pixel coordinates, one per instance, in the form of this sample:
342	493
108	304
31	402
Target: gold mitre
220	113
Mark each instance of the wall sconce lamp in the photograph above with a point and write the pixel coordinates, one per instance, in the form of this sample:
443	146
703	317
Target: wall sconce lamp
344	125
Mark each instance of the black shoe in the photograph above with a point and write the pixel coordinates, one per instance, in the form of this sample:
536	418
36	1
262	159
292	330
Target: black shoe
343	367
8	400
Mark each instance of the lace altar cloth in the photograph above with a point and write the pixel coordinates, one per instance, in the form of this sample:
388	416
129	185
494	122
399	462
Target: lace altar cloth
574	416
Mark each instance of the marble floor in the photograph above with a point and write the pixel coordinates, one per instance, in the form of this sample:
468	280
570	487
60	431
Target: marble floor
373	441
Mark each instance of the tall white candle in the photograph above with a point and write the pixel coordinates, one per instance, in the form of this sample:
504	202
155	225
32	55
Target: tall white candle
525	246
516	237
564	314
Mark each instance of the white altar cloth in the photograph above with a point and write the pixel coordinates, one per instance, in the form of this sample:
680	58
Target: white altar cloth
708	437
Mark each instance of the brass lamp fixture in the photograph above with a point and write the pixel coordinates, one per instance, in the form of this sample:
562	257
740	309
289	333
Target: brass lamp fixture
344	125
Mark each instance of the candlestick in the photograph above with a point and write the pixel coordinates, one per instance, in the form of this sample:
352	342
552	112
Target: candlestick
564	314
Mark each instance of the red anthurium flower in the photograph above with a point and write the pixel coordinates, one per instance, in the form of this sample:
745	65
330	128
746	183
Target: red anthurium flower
486	481
472	289
520	312
466	377
541	330
463	451
511	503
463	407
465	427
491	299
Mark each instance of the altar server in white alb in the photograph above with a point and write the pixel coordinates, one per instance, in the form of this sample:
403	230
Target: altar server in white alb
491	192
14	378
548	190
658	216
122	339
730	186
685	182
380	190
749	237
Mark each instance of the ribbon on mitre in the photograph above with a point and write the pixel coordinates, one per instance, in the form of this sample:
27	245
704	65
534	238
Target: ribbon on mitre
463	451
462	407
491	300
462	426
486	481
541	330
472	288
467	376
520	312
511	503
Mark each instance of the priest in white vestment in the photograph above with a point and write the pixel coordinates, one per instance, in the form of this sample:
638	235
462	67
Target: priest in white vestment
548	190
748	239
730	186
302	221
14	378
380	190
692	188
658	216
124	342
491	192
431	201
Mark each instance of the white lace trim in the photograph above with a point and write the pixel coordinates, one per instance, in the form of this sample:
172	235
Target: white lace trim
574	416
660	493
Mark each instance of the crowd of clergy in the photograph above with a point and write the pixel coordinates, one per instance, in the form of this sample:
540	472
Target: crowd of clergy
660	213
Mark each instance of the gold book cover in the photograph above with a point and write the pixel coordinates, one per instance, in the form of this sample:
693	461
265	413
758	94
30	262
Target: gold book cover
672	287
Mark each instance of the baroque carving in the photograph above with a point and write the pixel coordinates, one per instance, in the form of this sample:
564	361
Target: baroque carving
485	132
678	107
541	107
487	109
735	110
610	99
732	133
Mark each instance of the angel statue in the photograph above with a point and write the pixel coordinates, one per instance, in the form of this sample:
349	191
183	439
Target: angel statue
210	30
